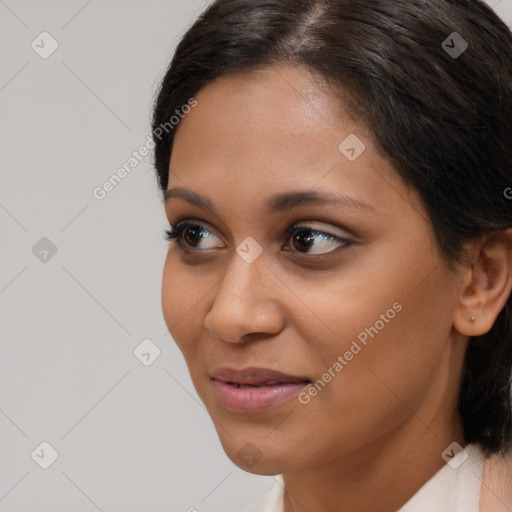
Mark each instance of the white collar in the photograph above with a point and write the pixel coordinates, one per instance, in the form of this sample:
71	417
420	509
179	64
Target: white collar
451	489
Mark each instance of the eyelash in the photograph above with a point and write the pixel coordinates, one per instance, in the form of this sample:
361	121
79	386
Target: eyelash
178	228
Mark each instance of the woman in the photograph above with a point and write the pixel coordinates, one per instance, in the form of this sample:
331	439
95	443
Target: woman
339	273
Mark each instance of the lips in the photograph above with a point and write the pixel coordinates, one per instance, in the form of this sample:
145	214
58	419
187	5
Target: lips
255	376
255	389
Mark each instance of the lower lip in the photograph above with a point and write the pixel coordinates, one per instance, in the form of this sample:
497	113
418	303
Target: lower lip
256	399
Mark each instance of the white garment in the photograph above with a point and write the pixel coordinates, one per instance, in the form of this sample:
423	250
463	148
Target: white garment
449	490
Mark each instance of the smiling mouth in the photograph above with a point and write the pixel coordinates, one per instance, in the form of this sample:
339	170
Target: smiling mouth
261	385
255	389
255	398
255	376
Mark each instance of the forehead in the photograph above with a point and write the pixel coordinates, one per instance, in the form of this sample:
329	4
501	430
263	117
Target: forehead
275	114
270	131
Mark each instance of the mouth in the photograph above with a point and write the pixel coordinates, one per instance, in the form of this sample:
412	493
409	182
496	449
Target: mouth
255	389
250	386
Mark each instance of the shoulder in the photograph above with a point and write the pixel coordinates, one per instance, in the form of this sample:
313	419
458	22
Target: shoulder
496	493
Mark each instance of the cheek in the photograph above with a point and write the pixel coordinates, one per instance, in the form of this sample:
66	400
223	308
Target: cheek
374	349
172	286
371	390
337	310
182	295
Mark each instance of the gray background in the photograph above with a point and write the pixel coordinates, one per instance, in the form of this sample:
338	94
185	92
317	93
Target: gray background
129	437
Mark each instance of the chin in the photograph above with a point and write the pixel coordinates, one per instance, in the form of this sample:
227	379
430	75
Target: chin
261	467
253	457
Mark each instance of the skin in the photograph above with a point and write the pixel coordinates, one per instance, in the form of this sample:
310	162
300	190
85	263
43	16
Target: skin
375	434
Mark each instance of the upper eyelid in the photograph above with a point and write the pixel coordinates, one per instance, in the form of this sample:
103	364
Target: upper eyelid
317	229
183	224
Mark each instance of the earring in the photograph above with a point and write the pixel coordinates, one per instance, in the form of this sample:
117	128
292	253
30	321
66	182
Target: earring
473	318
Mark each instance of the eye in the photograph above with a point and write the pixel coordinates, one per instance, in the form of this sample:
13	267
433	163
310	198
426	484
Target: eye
190	231
304	237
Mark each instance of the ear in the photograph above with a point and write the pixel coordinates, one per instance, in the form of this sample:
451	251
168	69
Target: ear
485	285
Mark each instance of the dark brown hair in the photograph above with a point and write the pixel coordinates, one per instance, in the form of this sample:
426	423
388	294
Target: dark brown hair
443	119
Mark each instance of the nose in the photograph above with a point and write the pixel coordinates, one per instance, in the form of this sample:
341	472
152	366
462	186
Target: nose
246	302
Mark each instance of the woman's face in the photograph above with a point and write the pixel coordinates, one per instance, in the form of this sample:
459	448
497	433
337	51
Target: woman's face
355	299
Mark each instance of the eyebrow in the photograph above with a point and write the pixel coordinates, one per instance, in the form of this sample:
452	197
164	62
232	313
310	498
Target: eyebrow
278	203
